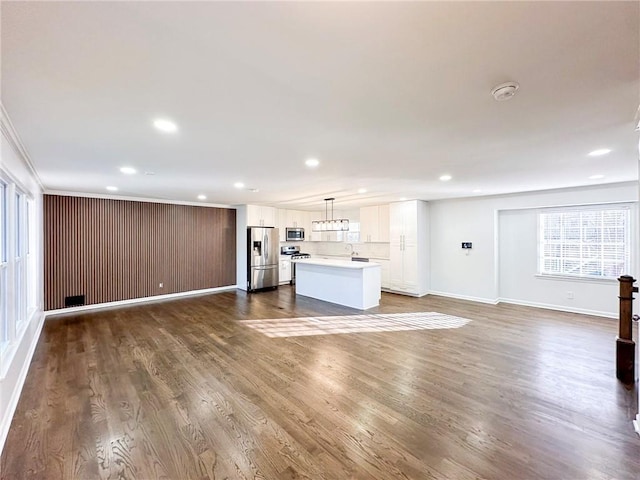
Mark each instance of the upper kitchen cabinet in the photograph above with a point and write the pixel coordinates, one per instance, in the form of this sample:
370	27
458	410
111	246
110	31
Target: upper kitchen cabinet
294	219
298	219
409	247
282	224
374	224
261	216
383	223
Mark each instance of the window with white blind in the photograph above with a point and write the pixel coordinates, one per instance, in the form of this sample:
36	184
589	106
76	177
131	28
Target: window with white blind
4	320
588	242
18	268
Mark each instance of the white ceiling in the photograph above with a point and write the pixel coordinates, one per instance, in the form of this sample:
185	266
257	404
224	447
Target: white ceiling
388	96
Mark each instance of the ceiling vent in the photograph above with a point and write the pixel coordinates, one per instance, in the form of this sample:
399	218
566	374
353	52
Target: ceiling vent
505	91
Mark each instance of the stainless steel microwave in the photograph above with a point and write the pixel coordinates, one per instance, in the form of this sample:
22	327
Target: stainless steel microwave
295	234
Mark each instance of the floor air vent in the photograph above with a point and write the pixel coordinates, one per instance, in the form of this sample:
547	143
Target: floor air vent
74	301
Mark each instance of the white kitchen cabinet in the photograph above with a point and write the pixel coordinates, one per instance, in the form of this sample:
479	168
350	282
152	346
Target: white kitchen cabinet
306	223
285	270
261	216
369	224
383	223
384	272
374	224
282	224
297	218
294	219
326	237
409	247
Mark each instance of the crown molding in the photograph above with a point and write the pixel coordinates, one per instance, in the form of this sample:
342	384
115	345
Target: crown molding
105	196
11	134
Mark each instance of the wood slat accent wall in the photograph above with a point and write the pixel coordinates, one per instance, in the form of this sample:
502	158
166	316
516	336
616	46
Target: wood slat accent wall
111	250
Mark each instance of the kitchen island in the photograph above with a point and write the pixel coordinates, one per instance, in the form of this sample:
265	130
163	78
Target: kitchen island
352	284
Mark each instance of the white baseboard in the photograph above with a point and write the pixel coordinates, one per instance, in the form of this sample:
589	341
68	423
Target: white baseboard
559	308
398	292
133	301
7	415
465	297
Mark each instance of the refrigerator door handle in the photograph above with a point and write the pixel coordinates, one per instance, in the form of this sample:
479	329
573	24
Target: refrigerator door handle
265	241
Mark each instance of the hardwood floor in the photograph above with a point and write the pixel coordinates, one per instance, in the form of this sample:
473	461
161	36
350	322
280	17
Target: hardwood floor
182	390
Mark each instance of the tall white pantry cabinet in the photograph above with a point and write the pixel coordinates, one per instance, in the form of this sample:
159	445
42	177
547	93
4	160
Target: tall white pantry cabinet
409	247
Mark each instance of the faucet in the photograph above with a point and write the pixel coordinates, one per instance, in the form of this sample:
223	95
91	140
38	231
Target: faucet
353	254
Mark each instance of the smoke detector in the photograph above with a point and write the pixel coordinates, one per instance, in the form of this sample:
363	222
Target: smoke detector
505	91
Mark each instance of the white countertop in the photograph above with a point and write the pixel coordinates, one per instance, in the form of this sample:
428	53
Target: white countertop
346	257
338	263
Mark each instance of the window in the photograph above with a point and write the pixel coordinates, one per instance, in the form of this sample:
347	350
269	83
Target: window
18	263
32	267
4	320
589	242
20	260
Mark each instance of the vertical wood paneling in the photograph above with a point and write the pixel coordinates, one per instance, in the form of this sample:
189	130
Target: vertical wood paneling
111	250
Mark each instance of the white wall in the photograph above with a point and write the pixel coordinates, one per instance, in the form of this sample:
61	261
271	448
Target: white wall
456	272
502	263
15	360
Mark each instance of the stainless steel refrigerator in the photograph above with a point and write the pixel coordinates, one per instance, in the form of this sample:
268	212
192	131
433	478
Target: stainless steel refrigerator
263	249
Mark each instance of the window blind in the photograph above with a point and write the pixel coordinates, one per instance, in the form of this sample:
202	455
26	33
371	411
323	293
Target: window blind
591	242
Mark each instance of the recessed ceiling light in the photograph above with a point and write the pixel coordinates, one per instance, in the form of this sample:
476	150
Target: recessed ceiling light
149	173
362	190
238	185
112	189
596	177
477	190
445	178
599	152
165	125
127	170
402	199
202	197
254	190
312	162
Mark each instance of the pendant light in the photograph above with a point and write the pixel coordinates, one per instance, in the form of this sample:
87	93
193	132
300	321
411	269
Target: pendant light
330	225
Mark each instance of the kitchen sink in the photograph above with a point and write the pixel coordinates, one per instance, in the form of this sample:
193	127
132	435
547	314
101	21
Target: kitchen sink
359	259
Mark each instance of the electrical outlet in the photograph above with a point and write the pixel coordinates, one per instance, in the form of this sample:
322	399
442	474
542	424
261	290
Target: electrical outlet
161	285
570	295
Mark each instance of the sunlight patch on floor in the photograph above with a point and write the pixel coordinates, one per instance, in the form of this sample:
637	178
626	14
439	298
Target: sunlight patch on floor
374	322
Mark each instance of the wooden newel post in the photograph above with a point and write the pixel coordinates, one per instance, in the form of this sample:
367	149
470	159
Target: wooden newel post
625	346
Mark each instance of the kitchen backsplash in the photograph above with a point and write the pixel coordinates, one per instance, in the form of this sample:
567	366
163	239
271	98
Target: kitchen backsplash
370	250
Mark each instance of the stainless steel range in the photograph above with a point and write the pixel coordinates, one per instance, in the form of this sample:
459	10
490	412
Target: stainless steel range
295	254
